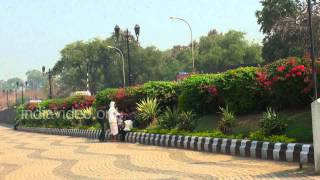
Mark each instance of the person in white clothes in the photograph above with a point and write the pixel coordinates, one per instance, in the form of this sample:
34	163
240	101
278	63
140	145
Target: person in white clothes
113	119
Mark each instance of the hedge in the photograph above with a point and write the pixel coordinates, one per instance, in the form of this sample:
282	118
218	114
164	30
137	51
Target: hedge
283	83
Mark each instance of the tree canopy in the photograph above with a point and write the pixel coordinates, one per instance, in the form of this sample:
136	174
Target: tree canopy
213	52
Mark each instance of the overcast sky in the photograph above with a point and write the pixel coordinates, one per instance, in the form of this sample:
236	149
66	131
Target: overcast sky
33	32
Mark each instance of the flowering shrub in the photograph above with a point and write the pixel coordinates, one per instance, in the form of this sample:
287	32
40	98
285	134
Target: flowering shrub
126	99
73	102
31	106
286	82
211	89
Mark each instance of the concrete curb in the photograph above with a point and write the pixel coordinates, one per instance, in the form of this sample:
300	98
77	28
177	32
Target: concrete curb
291	152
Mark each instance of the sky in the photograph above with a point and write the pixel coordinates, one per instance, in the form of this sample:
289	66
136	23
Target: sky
32	32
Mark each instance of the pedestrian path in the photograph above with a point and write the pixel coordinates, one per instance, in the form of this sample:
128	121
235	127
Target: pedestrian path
38	156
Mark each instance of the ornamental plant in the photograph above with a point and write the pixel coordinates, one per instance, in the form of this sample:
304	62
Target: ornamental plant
147	111
286	82
273	123
126	99
228	120
31	106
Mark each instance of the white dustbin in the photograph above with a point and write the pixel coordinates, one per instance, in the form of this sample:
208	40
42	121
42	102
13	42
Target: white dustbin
127	125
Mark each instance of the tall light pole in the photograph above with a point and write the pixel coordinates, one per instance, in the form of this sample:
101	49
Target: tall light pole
16	92
22	85
123	70
192	46
49	73
88	88
127	36
314	71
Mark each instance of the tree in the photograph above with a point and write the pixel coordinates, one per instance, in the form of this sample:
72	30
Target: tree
272	11
105	65
285	24
217	51
35	79
12	83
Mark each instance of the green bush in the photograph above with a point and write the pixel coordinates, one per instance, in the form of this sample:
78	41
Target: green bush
187	121
165	91
237	88
272	123
147	111
169	119
104	97
195	97
228	120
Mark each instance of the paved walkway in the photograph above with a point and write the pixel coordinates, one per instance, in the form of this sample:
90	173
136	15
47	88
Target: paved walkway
37	156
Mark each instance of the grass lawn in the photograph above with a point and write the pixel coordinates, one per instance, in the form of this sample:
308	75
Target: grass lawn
300	126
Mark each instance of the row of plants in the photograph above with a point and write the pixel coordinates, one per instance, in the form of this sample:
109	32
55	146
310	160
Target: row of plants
178	122
174	107
282	84
71	112
62	104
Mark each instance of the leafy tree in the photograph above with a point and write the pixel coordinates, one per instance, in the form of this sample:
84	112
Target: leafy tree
35	79
217	51
285	24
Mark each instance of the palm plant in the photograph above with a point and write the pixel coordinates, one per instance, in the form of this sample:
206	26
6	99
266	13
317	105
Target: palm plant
228	120
147	111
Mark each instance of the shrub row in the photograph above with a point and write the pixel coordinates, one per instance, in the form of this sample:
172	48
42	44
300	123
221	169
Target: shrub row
283	83
72	102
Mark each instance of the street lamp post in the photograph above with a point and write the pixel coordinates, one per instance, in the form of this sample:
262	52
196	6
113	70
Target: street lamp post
192	46
314	72
88	88
49	73
123	70
22	97
127	36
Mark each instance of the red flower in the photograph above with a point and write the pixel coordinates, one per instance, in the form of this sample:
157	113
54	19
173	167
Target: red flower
288	75
281	68
261	76
212	90
300	68
299	73
275	78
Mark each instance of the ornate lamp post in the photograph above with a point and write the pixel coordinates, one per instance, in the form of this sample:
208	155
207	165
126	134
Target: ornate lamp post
192	46
49	73
127	37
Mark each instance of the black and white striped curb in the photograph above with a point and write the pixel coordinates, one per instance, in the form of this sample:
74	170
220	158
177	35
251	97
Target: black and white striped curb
292	152
92	134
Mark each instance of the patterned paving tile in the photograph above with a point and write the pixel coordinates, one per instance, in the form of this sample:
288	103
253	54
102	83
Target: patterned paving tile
39	156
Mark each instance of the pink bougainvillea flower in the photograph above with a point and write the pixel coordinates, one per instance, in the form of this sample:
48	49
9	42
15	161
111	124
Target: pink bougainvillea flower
288	75
299	73
281	68
275	78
